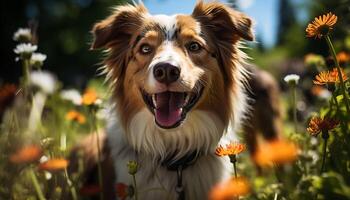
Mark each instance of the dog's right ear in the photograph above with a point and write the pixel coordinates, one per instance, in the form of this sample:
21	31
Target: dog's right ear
119	26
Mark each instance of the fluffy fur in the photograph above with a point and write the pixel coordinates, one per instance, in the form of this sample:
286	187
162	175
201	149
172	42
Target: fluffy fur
216	69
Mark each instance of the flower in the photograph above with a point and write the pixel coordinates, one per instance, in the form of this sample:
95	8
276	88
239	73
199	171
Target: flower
74	115
44	80
72	95
54	164
22	35
25	50
229	189
277	151
326	77
320	92
343	57
291	79
231	149
7	95
314	60
132	167
89	97
26	154
37	59
318	124
122	190
321	25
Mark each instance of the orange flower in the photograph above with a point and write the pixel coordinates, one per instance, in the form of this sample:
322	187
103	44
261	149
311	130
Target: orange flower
231	149
320	92
73	115
54	164
321	25
89	97
122	190
317	124
277	151
329	77
229	189
343	57
26	154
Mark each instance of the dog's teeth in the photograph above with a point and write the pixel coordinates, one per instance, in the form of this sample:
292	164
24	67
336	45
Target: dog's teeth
187	99
154	100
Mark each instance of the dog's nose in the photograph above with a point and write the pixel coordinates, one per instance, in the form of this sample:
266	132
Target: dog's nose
166	73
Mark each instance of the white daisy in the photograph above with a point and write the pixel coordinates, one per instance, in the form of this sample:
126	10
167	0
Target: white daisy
37	59
25	50
22	35
292	78
71	95
44	80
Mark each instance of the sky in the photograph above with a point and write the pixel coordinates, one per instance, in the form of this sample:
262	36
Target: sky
263	12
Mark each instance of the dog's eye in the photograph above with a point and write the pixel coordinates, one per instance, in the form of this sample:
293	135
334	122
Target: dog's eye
145	49
194	47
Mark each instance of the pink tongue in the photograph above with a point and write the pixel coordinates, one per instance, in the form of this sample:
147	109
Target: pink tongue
168	110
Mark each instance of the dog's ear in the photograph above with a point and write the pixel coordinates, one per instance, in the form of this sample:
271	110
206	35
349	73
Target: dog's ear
118	27
223	21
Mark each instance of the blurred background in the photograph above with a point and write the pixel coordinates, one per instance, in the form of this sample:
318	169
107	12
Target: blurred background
63	32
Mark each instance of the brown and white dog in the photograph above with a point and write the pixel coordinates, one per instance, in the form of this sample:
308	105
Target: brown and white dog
178	89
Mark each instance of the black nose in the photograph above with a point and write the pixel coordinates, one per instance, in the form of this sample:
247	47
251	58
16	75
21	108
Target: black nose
166	73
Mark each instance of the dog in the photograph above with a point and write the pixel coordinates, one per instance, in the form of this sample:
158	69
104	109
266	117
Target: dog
178	89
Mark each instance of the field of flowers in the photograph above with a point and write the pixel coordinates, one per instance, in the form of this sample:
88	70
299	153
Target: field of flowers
41	122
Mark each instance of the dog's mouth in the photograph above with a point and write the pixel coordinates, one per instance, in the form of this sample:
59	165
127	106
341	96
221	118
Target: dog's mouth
170	108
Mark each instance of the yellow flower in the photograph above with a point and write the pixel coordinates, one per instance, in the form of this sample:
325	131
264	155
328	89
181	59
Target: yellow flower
132	167
321	25
89	97
54	164
317	124
277	151
231	149
74	115
26	154
329	77
314	60
229	189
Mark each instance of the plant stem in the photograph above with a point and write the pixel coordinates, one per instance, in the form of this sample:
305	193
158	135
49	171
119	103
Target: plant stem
294	102
135	187
233	160
36	185
235	169
71	186
325	137
25	64
99	168
342	85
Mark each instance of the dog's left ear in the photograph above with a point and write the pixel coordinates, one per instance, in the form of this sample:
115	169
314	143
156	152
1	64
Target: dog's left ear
223	21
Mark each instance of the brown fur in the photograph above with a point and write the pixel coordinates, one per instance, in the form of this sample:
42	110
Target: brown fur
265	118
218	66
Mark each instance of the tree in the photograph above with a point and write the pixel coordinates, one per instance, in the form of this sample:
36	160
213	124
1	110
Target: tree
287	20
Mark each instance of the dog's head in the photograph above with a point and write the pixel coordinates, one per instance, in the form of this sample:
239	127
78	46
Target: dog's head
175	74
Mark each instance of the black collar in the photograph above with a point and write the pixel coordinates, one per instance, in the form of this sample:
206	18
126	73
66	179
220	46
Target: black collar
184	161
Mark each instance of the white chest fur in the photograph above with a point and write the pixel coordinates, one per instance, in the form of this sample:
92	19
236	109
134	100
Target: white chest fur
155	181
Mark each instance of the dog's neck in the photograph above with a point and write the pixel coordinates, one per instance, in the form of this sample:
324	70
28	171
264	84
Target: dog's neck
173	164
200	132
